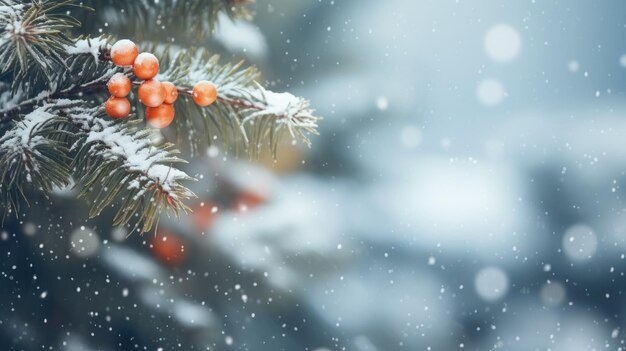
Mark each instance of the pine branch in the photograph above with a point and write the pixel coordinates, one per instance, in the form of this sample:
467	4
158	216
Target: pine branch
200	16
30	154
245	111
115	159
32	41
110	160
245	114
48	89
87	70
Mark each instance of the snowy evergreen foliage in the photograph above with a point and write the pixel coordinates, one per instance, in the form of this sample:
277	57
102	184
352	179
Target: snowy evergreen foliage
53	129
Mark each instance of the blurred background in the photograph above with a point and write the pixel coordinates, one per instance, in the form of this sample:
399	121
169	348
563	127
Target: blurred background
465	193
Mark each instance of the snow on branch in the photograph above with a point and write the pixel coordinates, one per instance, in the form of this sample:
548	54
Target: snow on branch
51	131
32	39
88	46
295	113
32	154
135	152
243	108
110	160
115	159
25	134
85	68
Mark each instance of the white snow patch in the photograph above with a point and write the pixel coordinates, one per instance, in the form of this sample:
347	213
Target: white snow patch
89	46
23	137
191	314
131	264
292	111
285	229
240	36
139	155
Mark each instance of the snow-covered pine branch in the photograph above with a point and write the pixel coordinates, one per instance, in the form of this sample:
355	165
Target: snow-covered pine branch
32	40
115	160
32	154
83	71
244	109
109	160
53	87
285	109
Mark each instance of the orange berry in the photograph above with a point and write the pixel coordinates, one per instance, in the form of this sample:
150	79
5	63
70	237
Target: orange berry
169	248
203	215
117	107
124	53
161	116
151	93
119	85
204	93
146	66
247	200
171	93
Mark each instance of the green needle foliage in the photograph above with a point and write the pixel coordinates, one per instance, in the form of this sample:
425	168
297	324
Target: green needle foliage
33	40
244	114
54	132
135	15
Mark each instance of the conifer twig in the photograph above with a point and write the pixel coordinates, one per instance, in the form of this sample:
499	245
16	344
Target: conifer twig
54	131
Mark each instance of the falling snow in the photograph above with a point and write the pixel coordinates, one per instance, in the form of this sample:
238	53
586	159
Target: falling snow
466	191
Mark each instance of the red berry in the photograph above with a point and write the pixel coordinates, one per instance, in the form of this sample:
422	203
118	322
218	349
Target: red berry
119	85
124	52
151	93
160	116
168	248
204	93
117	107
247	200
146	66
171	93
203	215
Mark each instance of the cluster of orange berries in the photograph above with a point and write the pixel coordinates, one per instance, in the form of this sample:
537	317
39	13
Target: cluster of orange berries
158	97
